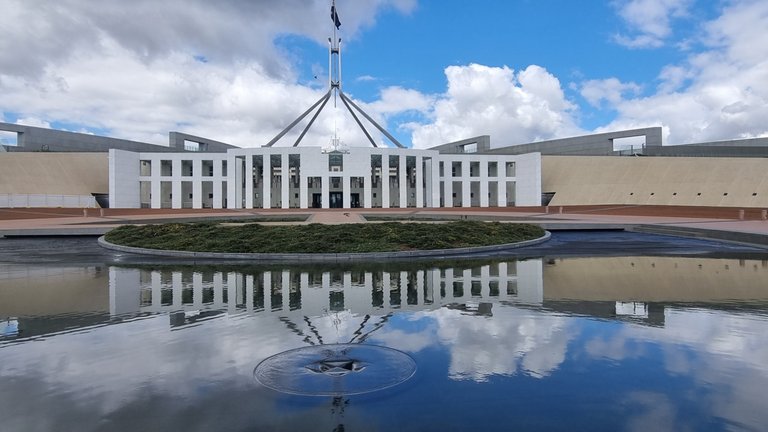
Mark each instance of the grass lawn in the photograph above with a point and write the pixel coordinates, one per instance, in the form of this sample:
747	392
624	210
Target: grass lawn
317	238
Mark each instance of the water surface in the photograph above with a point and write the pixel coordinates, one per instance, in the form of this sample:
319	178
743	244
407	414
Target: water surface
573	343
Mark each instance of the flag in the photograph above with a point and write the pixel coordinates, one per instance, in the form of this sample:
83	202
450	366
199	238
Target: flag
335	16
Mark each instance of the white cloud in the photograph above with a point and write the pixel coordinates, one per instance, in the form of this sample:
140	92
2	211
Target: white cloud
610	90
717	94
135	70
649	21
514	341
511	107
33	121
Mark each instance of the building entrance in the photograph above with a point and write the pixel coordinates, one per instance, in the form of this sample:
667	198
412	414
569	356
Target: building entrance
317	200
354	201
336	200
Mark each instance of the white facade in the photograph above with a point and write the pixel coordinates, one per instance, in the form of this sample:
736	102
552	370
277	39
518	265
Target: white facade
307	177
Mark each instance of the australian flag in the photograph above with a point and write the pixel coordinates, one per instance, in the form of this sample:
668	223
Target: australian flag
335	16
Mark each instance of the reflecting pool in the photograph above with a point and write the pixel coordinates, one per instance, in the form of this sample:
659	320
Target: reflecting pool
574	343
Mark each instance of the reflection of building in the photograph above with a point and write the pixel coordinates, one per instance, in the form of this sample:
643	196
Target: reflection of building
35	301
305	293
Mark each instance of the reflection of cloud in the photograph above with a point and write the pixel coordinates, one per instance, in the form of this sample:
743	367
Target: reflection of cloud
514	340
656	412
721	350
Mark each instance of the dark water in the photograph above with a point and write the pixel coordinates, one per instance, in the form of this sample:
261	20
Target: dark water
560	343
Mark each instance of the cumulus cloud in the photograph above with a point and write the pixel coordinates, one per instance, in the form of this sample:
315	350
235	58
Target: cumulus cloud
716	94
210	69
513	107
649	22
610	90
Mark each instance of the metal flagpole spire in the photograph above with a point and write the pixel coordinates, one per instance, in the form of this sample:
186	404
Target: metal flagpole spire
335	89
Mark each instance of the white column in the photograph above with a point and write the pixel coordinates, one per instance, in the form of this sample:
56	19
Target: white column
325	190
217	171
448	185
266	183
419	182
503	192
176	183
485	279
367	190
197	183
303	191
466	190
248	181
403	181
234	179
285	183
385	180
155	198
484	183
346	190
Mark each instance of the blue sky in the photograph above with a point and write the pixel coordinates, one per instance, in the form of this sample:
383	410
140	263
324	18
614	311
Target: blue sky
432	71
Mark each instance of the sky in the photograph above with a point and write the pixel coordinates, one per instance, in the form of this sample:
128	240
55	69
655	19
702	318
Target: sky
430	71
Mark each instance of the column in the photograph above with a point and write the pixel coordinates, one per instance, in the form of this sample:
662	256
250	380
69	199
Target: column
448	185
155	184
420	287
285	183
367	190
346	190
325	191
384	180
197	184
403	182
248	181
502	191
484	183
419	182
466	189
176	184
266	181
303	191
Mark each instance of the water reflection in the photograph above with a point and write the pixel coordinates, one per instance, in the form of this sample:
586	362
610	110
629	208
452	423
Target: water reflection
584	343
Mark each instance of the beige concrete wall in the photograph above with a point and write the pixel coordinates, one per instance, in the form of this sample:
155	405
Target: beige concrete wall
584	180
52	291
655	279
54	173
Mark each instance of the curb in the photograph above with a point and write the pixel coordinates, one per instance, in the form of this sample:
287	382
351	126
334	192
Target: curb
325	257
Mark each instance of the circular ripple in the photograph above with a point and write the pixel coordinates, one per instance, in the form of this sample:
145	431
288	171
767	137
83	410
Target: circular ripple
338	369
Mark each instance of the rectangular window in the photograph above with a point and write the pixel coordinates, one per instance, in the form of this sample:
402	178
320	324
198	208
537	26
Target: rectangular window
186	168
166	168
145	168
335	162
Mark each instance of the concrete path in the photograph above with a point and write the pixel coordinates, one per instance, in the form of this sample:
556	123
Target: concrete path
95	222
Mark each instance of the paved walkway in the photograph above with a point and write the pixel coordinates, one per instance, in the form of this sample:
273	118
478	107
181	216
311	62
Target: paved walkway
96	221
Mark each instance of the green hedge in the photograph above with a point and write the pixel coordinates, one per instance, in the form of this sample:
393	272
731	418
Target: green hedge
317	238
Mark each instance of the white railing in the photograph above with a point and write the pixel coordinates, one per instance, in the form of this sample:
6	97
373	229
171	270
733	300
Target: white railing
47	200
